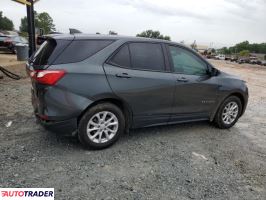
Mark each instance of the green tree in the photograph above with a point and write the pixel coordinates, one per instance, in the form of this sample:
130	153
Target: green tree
23	25
5	23
253	48
242	46
42	20
153	34
244	53
224	50
45	21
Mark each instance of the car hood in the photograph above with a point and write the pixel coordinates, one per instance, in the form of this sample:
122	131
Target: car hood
226	75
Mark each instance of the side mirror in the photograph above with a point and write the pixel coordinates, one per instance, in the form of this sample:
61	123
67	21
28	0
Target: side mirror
211	71
214	71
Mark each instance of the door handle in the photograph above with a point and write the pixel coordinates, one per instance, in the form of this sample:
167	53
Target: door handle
182	79
123	75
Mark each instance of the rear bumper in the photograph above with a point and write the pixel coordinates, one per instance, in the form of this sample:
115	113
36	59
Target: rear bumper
57	104
57	110
65	127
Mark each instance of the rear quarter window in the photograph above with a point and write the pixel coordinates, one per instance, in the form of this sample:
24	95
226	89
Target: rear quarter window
66	51
79	50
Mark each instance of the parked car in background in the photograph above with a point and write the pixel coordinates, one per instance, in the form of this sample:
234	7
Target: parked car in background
233	59
97	87
243	60
263	62
253	61
220	57
258	62
227	57
9	42
210	56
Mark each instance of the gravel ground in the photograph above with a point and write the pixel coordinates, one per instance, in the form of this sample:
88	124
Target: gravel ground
185	161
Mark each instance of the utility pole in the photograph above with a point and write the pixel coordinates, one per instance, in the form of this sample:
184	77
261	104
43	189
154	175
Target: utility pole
31	27
30	20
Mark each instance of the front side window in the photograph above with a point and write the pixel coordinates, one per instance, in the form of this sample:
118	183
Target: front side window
147	56
186	62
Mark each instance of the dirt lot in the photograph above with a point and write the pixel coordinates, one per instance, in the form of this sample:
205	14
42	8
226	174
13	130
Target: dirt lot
186	161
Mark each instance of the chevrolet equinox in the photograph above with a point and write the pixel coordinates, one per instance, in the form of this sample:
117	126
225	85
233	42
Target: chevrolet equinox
97	87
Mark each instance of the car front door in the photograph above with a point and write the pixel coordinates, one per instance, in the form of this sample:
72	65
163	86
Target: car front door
196	91
137	75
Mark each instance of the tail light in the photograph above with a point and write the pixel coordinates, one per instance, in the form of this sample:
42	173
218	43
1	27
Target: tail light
43	117
47	77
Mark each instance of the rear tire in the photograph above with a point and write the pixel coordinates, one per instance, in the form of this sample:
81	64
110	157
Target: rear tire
228	113
101	126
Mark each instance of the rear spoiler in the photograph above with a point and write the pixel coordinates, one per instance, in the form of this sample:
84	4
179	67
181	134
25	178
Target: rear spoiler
42	38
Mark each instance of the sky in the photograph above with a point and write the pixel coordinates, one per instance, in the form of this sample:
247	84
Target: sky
214	23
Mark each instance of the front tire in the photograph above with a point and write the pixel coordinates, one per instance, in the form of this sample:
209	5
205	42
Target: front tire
228	113
101	126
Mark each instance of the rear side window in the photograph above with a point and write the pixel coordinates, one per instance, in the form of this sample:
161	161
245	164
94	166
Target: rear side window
121	58
49	51
79	50
148	56
67	51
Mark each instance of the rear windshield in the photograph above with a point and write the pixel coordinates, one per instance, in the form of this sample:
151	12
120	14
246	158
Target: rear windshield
49	51
66	51
2	38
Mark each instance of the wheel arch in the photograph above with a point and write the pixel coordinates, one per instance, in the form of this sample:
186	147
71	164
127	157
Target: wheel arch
241	97
237	94
125	108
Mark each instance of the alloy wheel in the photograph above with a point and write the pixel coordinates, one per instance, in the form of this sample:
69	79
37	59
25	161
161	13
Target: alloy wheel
102	127
230	112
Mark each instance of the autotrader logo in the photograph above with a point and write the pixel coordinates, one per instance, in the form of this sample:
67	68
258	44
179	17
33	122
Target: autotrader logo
27	193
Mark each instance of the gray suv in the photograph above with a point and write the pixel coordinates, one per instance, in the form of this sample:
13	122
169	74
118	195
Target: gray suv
97	87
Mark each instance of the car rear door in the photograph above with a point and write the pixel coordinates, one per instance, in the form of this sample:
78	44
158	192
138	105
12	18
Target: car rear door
137	74
196	91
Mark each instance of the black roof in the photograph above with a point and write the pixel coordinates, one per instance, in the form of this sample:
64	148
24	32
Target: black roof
83	36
